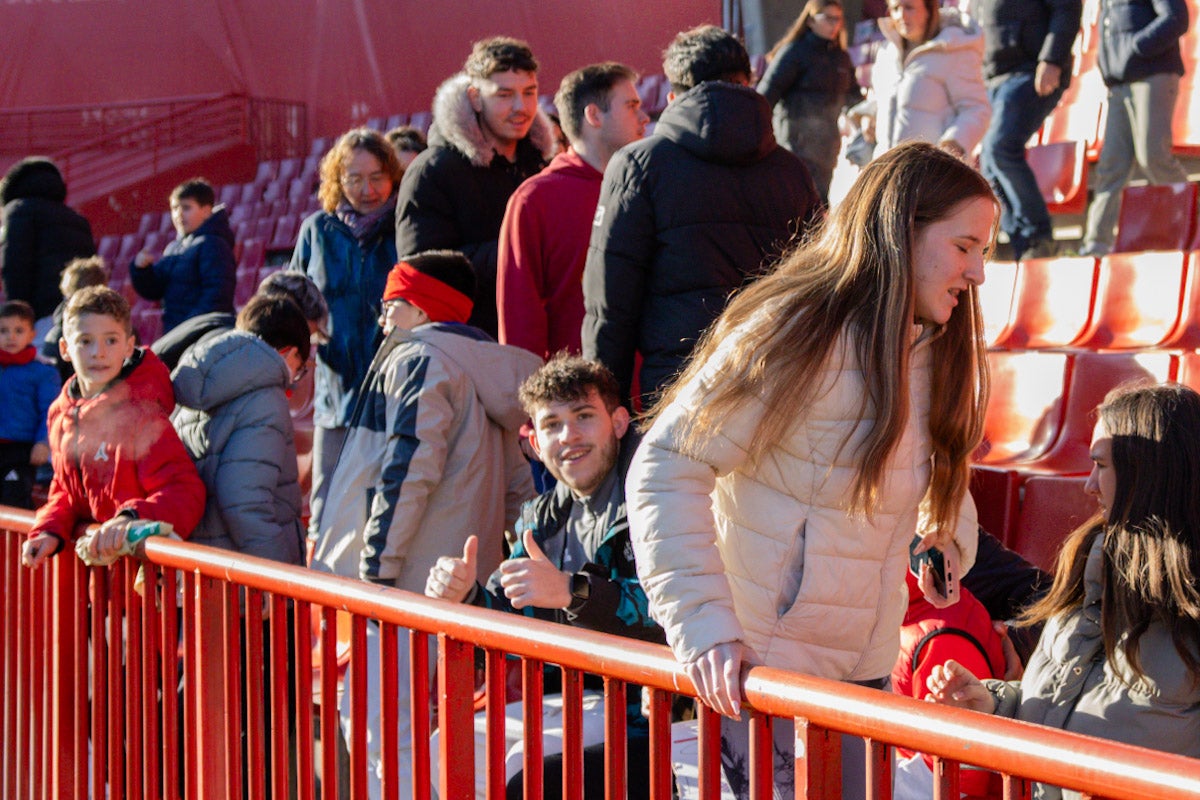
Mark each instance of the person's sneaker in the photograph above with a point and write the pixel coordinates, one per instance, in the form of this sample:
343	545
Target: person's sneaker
1094	250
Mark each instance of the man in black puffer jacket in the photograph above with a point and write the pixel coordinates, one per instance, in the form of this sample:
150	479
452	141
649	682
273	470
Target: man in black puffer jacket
40	235
688	215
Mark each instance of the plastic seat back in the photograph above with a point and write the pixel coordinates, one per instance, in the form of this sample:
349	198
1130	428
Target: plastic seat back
1092	376
1187	332
1025	408
1061	172
1138	299
1052	302
1052	507
996	298
1161	217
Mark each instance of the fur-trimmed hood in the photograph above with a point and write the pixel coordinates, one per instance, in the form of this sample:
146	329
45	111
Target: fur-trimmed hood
455	122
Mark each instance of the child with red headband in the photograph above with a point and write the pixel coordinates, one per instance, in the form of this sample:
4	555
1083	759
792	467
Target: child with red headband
433	447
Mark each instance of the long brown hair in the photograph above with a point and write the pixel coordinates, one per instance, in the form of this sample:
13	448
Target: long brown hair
855	278
797	29
1151	550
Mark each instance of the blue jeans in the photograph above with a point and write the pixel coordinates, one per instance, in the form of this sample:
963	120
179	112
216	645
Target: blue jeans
1017	113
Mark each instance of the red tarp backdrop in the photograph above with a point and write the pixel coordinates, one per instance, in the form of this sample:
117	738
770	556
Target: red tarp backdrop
348	60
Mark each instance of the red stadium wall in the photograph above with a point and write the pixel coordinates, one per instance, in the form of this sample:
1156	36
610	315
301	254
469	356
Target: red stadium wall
348	60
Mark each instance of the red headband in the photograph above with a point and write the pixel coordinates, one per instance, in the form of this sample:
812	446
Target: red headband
440	301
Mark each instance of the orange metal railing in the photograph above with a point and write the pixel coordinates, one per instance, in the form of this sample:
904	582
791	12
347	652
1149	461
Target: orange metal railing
90	669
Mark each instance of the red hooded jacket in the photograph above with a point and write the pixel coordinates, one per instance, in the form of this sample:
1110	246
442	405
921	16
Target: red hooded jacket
117	451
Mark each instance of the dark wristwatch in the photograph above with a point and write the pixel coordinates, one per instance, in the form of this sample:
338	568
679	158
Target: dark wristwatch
581	590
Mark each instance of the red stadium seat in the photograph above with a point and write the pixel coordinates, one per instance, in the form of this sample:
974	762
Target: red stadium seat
156	242
1061	172
267	171
284	237
996	298
1137	301
288	168
1092	376
1159	217
1079	115
108	247
320	146
254	254
421	120
263	228
1052	302
166	224
247	284
1189	370
1052	506
275	190
1186	126
147	321
251	193
395	121
1187	333
995	491
1024	413
299	189
131	244
230	194
148	223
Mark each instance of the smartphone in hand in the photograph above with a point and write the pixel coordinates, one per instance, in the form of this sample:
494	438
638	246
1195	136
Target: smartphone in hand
943	568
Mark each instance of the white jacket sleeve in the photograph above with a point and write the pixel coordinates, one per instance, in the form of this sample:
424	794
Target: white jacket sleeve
673	528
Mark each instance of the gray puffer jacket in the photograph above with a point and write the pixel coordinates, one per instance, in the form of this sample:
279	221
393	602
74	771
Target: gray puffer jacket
233	418
1069	684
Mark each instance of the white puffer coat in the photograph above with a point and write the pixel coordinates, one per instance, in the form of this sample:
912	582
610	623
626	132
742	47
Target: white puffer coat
767	554
936	93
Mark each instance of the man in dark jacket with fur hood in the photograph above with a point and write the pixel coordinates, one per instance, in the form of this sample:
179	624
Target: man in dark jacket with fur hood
689	214
487	137
40	234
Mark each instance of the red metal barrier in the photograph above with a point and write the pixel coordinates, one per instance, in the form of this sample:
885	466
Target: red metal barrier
129	670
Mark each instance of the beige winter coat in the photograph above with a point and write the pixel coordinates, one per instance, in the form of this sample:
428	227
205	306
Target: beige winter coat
767	553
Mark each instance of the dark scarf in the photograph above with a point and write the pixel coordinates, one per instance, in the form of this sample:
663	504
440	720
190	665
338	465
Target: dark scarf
18	359
364	226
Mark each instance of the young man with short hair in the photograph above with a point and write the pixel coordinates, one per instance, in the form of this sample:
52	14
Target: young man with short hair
688	215
573	561
544	237
197	273
487	137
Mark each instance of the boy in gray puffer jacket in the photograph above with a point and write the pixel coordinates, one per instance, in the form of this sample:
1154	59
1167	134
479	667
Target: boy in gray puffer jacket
233	418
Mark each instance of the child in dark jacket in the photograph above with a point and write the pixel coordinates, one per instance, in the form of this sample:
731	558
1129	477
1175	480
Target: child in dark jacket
116	457
197	273
29	387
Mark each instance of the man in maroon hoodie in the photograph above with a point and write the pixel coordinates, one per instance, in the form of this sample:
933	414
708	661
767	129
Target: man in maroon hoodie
548	222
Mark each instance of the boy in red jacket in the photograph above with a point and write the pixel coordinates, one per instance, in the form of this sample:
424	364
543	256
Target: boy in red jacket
116	457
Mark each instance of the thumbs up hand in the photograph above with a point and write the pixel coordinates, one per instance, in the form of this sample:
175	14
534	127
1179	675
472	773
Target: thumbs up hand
451	578
534	580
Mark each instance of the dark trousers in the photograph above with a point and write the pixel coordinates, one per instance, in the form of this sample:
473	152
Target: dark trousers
16	475
637	775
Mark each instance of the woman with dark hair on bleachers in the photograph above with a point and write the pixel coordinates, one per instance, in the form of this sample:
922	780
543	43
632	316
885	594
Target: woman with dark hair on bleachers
39	235
347	249
809	80
1120	654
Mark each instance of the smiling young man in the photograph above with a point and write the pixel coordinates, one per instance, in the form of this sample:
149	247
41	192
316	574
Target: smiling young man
488	136
573	561
197	273
544	238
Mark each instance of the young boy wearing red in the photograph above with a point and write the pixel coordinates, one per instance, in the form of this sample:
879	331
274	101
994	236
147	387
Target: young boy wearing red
116	457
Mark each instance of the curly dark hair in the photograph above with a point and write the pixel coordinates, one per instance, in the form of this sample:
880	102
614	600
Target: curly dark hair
566	377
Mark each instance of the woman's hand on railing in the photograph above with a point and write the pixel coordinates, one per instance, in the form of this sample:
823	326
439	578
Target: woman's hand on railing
717	676
952	684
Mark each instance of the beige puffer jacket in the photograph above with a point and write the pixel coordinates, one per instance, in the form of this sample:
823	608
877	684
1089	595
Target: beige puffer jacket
767	554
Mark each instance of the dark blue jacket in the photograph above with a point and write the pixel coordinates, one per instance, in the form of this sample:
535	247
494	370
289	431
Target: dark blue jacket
197	274
1017	34
351	277
28	391
1140	38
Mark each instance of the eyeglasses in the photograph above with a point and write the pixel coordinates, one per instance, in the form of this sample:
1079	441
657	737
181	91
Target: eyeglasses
384	309
835	19
300	373
353	183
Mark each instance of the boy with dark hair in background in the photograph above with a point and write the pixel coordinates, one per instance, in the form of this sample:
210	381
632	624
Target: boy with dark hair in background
29	387
116	457
80	273
197	273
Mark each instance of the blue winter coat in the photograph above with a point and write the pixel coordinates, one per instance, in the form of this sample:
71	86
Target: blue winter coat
197	274
352	278
1140	38
28	391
